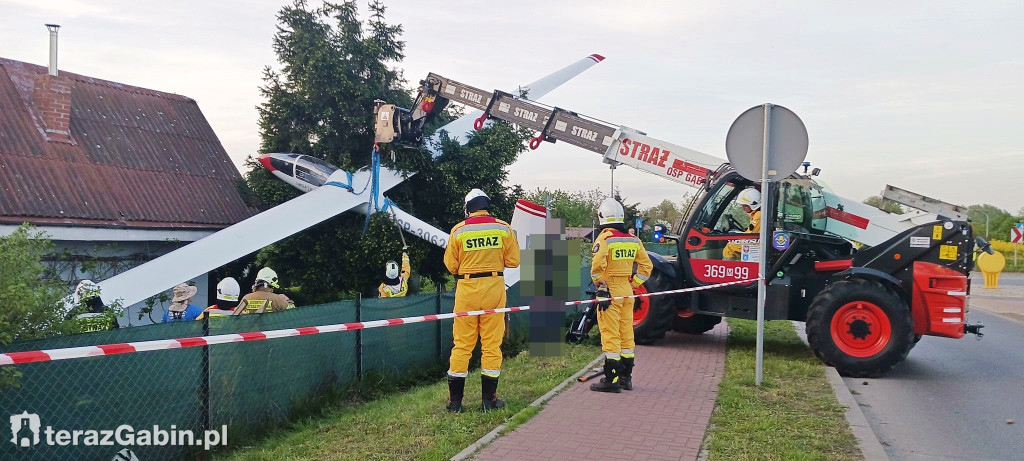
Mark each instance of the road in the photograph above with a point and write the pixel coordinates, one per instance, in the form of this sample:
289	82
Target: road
951	398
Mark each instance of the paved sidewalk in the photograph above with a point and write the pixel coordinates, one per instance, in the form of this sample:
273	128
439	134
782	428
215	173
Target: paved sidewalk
663	418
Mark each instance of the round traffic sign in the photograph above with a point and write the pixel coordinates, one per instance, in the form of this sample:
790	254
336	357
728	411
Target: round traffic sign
787	142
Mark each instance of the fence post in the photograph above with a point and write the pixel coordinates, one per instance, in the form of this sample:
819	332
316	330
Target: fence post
437	328
204	387
359	337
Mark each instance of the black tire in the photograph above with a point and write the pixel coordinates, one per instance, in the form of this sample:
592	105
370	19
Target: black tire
696	324
823	340
662	310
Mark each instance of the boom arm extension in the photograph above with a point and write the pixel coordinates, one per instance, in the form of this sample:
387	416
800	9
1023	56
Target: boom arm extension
617	144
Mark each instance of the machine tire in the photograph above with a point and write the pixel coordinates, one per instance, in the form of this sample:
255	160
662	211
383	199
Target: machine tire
695	324
860	327
660	313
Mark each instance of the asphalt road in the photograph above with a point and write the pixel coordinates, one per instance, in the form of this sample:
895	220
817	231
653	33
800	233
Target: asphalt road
1015	279
951	398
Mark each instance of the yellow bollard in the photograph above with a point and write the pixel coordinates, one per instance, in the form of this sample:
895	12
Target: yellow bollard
991	265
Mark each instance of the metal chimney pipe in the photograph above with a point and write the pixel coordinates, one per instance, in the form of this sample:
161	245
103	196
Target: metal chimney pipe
53	47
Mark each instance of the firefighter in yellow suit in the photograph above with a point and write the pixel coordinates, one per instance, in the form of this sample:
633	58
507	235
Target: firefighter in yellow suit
750	201
479	249
615	252
396	283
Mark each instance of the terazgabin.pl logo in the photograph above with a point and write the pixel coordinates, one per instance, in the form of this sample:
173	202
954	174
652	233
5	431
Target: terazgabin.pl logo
26	429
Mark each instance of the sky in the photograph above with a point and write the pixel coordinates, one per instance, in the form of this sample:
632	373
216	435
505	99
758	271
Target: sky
925	96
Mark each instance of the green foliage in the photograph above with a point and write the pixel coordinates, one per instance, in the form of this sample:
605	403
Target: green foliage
320	103
667	211
29	293
577	208
998	221
884	205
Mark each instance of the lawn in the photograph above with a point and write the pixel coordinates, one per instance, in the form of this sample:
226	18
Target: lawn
413	424
793	416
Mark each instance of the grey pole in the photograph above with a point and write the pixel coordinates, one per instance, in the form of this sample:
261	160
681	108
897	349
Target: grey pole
762	243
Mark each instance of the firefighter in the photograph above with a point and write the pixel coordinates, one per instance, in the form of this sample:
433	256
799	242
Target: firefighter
750	201
479	249
227	298
396	283
615	252
96	316
263	299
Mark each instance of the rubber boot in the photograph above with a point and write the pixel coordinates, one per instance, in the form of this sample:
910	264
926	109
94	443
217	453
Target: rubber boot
610	382
626	381
456	387
489	393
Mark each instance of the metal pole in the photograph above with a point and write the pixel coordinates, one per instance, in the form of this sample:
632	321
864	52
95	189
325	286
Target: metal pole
762	244
204	392
359	337
612	193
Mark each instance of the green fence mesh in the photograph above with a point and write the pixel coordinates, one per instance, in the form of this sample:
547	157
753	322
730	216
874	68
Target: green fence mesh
250	386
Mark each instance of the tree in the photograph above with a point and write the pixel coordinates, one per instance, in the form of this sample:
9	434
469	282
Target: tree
991	221
884	205
320	103
667	211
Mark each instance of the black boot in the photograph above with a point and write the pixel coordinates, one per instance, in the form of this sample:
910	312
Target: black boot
489	392
626	381
610	382
456	386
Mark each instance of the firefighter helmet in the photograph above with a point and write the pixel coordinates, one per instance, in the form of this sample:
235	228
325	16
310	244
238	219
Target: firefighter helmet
391	270
228	289
750	197
476	200
610	212
268	276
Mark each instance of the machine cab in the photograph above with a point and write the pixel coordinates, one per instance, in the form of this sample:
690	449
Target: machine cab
718	243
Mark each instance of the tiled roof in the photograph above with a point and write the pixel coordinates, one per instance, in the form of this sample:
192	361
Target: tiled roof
137	158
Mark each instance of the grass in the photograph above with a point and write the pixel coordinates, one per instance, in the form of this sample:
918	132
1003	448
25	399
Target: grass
414	424
793	416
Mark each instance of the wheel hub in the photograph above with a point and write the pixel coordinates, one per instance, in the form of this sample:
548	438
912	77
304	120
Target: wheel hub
861	329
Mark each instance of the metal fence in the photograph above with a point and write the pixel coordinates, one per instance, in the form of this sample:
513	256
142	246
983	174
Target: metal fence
251	387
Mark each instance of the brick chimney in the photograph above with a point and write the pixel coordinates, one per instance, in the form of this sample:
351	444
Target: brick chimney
52	96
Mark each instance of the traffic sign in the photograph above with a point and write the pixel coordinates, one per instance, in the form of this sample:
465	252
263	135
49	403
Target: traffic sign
786	146
1017	234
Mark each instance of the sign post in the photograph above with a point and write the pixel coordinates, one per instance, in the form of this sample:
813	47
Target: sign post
766	143
1016	237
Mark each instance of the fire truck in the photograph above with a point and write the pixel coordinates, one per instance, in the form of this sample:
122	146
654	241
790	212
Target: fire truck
868	284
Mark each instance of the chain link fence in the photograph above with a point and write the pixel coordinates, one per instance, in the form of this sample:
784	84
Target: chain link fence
251	387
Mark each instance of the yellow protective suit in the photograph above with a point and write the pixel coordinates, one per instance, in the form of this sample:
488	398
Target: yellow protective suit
481	246
388	291
614	255
734	250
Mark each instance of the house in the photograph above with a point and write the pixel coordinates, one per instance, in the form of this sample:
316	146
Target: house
115	174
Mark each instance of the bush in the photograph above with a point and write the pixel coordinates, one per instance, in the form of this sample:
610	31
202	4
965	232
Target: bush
31	297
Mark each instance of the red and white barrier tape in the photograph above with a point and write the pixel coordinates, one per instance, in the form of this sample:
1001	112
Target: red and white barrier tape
48	355
659	293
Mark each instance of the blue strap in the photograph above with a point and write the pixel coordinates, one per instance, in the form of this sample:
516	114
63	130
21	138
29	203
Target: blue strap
374	186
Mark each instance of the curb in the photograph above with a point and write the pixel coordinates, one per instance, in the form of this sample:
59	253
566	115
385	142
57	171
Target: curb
867	441
490	436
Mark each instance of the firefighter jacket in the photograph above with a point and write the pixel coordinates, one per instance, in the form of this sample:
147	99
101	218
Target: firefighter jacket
614	255
389	291
261	301
481	244
734	250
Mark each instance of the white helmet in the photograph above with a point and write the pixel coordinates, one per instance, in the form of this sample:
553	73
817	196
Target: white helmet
267	275
750	197
610	212
391	270
87	289
228	289
476	200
